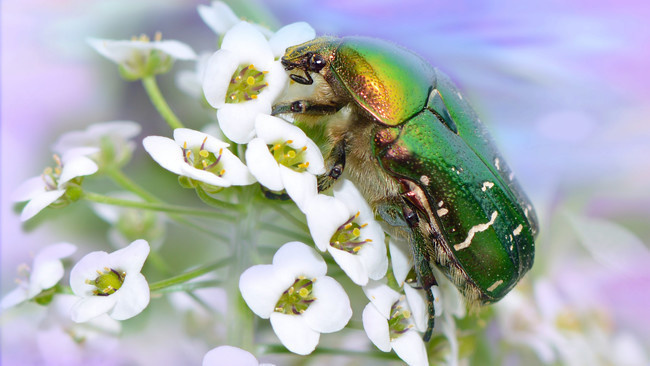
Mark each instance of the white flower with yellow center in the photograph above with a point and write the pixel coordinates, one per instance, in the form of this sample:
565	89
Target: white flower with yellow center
389	323
344	225
110	283
46	271
242	80
283	157
57	186
141	57
200	157
294	293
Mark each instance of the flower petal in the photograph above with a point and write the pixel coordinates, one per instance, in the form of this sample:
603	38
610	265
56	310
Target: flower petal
376	327
204	176
195	138
47	269
88	308
261	287
381	296
417	304
410	348
219	17
236	172
175	49
77	167
297	259
331	310
290	35
400	259
249	44
14	297
132	297
351	265
39	202
301	187
324	216
294	334
373	257
218	72
165	152
129	259
237	121
228	355
263	166
31	188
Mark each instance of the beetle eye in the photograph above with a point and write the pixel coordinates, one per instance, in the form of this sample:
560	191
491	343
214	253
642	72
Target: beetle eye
316	63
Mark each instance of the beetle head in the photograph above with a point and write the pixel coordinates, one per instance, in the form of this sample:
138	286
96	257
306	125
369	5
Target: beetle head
312	56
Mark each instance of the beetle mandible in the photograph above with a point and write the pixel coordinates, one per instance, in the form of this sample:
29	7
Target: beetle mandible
402	132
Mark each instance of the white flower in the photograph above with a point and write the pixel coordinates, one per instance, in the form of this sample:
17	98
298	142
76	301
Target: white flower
140	57
45	273
388	322
129	224
110	283
290	35
230	356
198	156
49	187
113	139
295	294
283	157
242	80
344	225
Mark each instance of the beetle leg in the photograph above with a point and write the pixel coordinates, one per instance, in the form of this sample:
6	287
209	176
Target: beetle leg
305	80
304	107
337	157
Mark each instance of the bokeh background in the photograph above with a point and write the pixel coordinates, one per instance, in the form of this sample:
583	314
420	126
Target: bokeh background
563	86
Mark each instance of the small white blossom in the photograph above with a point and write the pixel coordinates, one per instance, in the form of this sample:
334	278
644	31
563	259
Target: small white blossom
191	81
218	16
110	283
46	271
230	356
113	139
141	57
129	224
283	157
294	293
200	157
290	35
243	79
344	225
49	187
388	322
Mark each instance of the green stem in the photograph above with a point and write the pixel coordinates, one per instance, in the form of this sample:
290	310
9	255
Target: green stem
182	278
157	99
191	286
288	233
211	201
125	182
94	197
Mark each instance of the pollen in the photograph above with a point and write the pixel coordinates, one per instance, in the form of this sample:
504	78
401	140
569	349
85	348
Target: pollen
250	80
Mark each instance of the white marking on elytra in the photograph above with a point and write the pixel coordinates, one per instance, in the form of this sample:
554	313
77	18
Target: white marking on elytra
475	229
425	180
441	203
517	230
497	163
494	285
442	212
487	185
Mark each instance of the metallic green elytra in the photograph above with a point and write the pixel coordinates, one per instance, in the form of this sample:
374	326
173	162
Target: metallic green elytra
402	132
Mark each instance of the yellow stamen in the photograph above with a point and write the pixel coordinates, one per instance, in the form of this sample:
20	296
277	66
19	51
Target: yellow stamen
157	37
356	249
254	96
222	172
289	142
204	153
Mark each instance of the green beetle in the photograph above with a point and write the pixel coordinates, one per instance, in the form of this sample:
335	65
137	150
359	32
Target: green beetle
402	132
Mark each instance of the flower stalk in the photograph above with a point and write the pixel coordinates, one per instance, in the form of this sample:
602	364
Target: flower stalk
158	100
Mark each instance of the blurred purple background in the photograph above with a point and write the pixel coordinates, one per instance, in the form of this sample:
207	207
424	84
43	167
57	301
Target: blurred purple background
563	86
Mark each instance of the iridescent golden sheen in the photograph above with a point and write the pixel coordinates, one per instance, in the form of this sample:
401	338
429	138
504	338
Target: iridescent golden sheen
388	81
